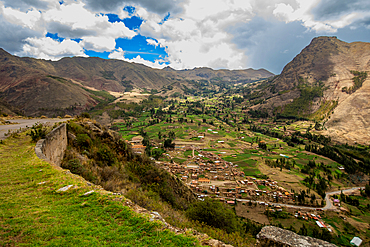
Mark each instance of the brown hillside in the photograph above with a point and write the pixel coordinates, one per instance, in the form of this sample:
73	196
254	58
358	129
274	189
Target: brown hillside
246	75
330	61
37	86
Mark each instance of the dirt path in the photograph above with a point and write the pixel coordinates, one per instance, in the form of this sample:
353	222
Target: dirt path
25	123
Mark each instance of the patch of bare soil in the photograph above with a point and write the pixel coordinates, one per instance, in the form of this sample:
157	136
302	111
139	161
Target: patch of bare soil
254	212
284	179
358	225
132	97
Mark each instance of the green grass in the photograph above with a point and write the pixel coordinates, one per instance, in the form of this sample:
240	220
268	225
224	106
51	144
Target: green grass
231	144
33	214
190	152
251	171
178	160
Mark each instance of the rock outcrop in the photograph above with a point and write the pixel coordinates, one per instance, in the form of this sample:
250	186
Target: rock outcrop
271	236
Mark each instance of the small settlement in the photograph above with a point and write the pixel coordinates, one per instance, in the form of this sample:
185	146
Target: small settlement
208	174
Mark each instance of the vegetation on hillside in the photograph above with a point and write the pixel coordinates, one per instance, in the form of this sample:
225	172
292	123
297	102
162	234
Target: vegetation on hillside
103	158
34	213
358	80
301	106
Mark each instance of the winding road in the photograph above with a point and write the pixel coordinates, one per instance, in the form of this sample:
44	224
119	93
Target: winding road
25	123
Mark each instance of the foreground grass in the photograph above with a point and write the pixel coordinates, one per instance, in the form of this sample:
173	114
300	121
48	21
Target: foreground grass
33	214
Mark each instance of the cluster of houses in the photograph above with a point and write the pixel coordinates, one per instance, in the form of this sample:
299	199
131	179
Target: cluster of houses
207	173
204	168
242	189
317	218
136	144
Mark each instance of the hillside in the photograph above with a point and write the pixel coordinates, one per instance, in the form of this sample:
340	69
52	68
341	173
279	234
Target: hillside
37	87
235	76
326	82
34	212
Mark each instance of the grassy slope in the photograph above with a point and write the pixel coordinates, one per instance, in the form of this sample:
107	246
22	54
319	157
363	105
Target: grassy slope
34	214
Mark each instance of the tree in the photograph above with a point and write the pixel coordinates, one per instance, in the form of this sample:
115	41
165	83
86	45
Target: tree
303	230
168	143
171	135
146	141
215	214
157	153
367	189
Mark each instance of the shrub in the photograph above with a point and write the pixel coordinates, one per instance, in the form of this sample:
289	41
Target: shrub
85	115
215	214
74	166
105	155
37	132
83	141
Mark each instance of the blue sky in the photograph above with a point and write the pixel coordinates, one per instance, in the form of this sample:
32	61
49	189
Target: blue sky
183	34
133	47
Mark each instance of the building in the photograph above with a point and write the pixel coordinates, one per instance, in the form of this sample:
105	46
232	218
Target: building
204	180
137	140
356	241
138	149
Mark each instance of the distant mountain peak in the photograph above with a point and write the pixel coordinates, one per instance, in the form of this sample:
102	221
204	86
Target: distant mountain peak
168	68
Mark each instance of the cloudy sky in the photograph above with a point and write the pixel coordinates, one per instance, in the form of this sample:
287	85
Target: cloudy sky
232	34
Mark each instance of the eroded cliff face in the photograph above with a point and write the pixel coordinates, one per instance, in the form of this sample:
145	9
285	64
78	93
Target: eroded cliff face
271	236
350	120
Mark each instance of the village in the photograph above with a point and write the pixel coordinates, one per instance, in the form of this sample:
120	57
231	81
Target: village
202	161
208	174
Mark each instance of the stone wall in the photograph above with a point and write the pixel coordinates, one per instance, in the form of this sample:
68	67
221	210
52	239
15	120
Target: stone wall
271	236
52	148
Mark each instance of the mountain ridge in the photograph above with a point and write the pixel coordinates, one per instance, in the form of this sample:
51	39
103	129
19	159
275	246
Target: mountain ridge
31	84
327	67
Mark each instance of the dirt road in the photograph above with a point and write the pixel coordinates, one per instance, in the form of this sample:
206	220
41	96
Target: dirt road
25	123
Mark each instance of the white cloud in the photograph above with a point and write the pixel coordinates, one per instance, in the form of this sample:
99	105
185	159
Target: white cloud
197	34
77	17
152	42
29	19
71	19
198	37
120	54
47	48
305	14
98	43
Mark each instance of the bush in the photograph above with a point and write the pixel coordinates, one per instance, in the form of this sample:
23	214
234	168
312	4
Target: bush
105	155
85	115
37	132
215	214
74	166
83	141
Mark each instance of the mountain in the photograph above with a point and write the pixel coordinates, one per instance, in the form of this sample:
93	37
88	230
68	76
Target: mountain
26	85
327	82
37	86
246	75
